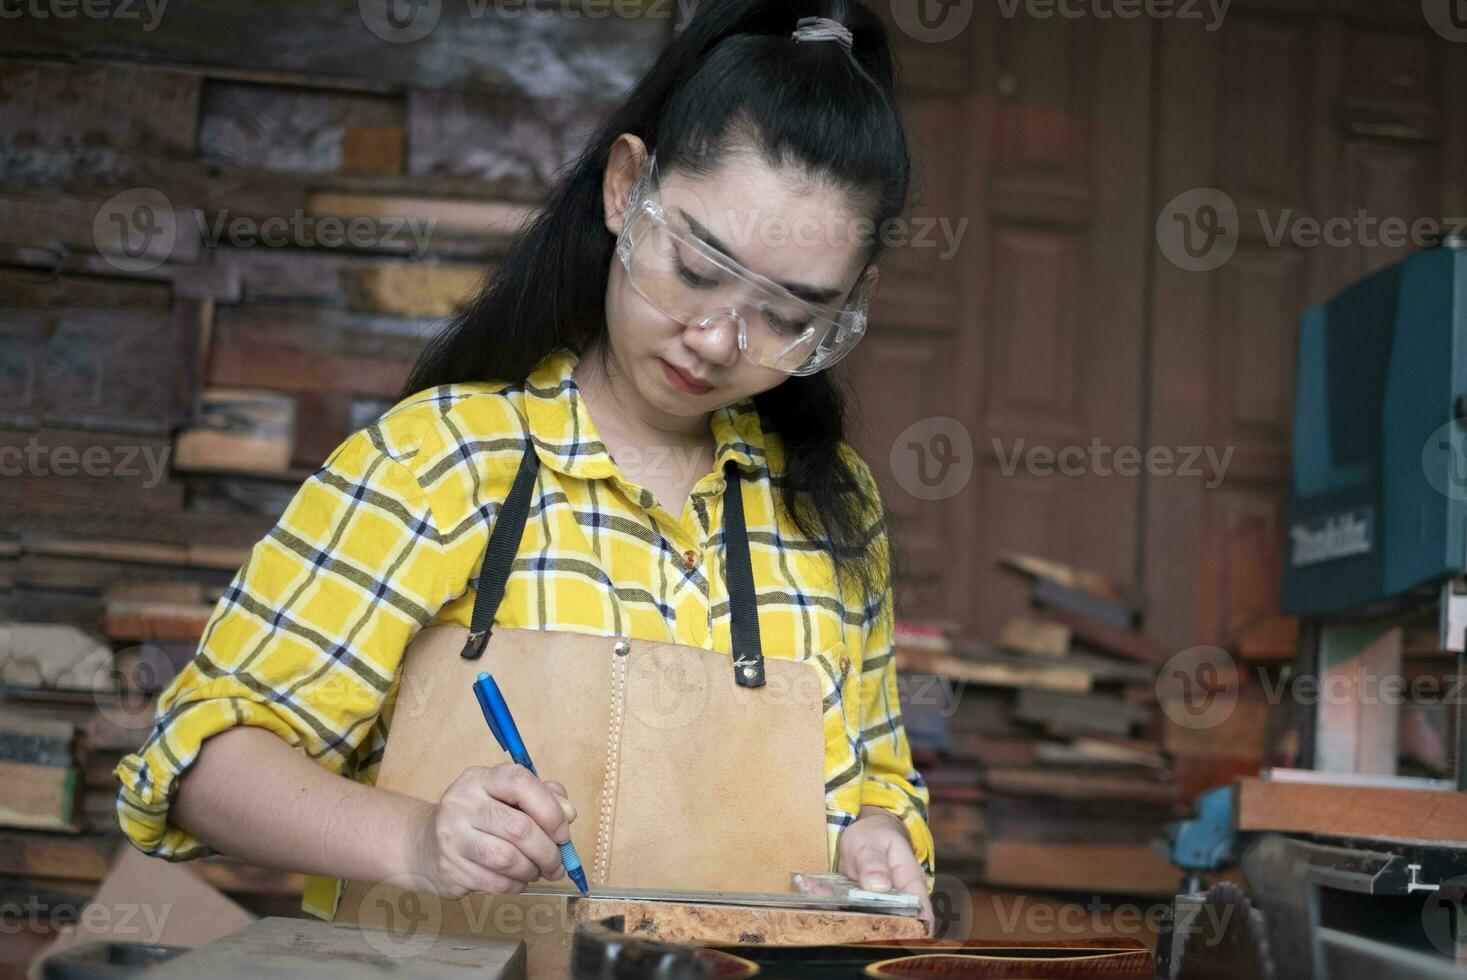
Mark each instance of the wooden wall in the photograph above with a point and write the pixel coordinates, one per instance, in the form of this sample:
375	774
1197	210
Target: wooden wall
1053	145
1063	321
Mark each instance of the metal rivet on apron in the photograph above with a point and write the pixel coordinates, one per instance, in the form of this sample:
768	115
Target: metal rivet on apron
622	648
750	673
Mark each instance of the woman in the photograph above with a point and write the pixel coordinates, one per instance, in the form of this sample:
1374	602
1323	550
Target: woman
658	335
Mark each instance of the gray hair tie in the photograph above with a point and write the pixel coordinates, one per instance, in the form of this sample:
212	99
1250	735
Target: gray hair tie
822	29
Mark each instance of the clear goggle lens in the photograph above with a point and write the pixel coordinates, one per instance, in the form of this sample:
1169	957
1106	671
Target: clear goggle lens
692	283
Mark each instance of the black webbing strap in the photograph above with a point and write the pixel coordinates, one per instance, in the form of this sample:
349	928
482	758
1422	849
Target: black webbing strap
504	542
743	610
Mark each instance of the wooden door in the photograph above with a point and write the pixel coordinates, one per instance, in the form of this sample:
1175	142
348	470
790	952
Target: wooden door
1027	338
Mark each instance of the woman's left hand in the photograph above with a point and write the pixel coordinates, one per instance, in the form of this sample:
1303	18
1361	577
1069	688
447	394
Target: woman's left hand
876	851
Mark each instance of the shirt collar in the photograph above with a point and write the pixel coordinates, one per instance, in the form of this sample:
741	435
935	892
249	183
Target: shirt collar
566	439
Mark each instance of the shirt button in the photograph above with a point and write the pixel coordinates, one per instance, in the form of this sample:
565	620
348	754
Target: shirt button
690	560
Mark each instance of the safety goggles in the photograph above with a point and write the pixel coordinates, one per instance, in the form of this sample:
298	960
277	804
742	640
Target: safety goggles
692	282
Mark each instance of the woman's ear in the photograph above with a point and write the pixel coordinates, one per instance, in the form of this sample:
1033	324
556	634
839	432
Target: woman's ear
623	164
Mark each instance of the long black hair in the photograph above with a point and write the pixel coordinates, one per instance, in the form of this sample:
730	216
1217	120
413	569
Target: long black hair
732	76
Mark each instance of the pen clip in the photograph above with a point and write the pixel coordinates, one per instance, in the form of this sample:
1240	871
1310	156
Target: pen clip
481	692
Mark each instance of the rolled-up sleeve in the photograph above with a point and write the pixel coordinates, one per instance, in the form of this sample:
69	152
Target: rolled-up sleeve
307	639
889	779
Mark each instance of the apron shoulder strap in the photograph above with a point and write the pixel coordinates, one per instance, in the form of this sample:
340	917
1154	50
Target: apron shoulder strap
743	608
504	542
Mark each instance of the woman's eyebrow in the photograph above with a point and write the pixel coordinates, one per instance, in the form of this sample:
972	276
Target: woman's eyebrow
805	291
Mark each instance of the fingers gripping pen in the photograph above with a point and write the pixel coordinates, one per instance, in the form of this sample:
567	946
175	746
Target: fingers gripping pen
501	723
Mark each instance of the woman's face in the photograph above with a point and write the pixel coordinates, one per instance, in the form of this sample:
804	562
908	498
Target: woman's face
777	222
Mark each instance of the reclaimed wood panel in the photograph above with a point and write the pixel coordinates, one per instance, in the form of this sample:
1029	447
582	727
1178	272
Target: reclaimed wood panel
1351	811
353	44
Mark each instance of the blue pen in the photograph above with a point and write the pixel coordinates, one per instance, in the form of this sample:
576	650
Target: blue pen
501	723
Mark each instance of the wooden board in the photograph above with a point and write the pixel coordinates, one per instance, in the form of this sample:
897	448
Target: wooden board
709	924
1114	639
999	669
280	947
41	797
1080	714
1134	869
546	921
1029	635
1351	811
1081	786
147	899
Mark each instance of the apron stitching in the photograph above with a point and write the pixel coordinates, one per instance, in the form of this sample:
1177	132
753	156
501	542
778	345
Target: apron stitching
613	731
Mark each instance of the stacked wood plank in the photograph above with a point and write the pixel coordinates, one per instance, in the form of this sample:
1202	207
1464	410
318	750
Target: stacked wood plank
219	258
1045	752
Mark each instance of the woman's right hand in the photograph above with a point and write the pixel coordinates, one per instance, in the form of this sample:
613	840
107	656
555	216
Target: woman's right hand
496	829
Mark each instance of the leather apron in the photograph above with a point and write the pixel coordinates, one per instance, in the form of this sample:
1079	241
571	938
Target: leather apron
689	769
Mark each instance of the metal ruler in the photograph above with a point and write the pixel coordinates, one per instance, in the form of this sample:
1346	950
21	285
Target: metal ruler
853	900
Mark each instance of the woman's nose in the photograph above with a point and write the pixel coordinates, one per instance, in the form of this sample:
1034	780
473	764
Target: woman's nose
715	338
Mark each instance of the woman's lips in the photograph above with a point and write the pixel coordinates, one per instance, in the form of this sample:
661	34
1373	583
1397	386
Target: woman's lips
683	382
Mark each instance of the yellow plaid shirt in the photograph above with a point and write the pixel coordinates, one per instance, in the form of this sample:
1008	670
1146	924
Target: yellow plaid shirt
388	536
